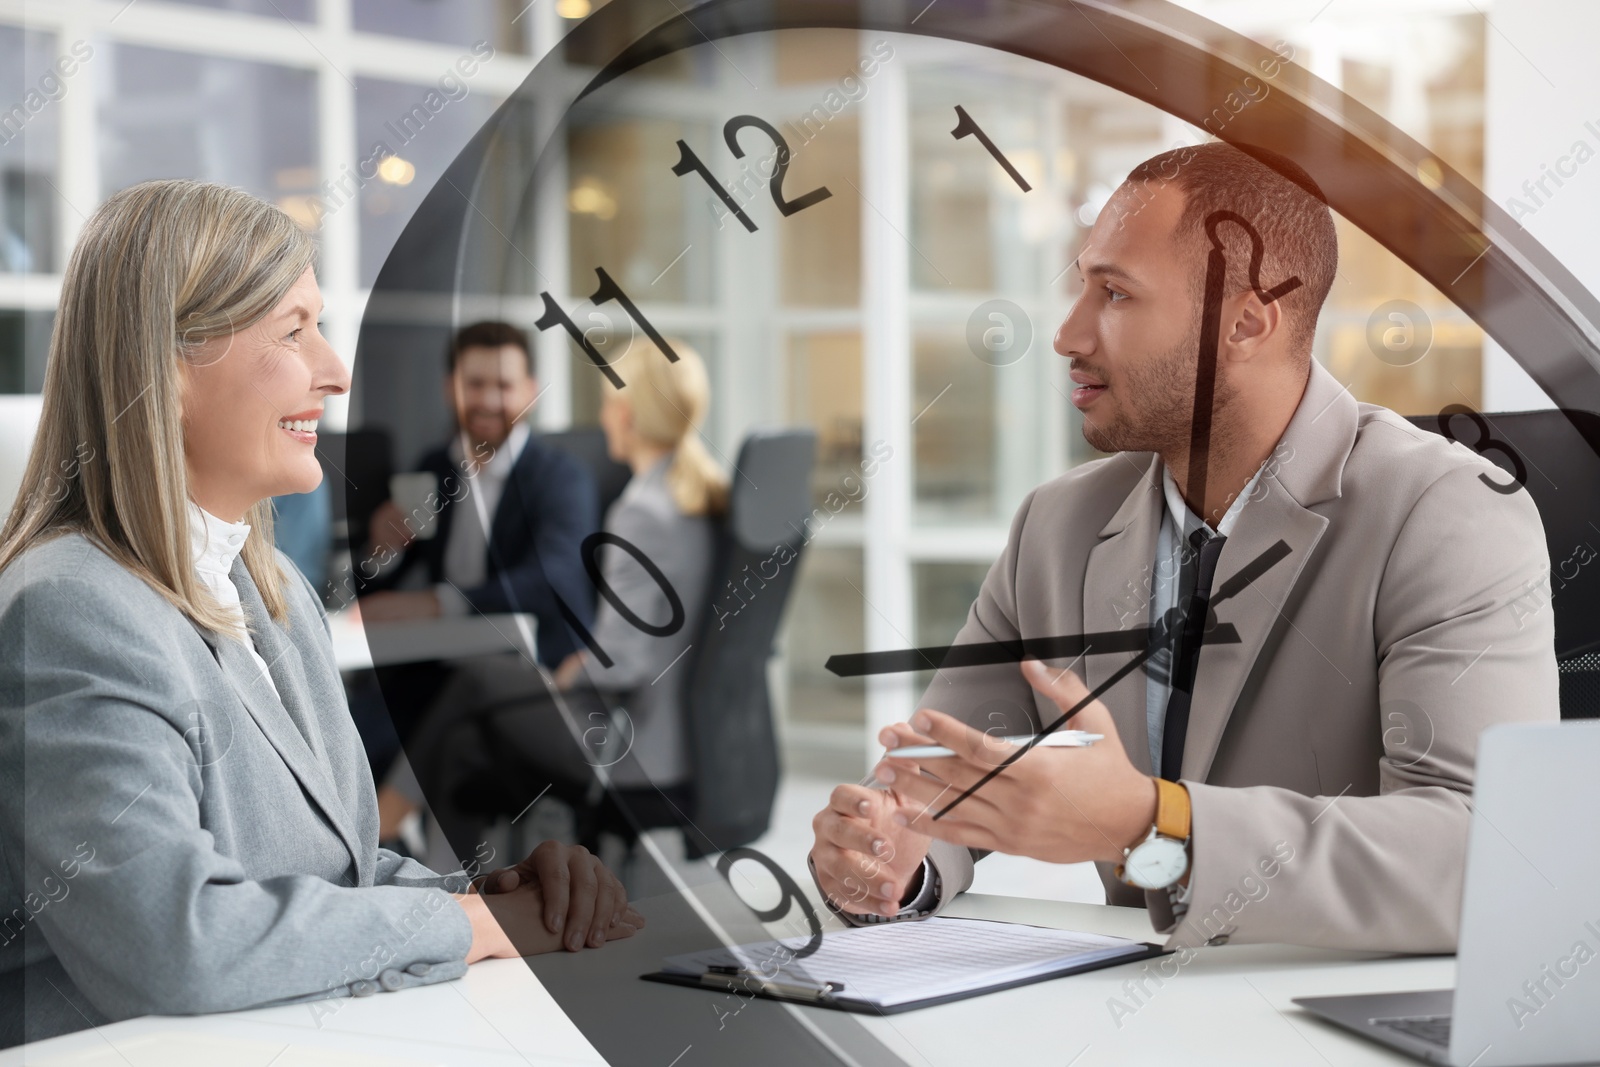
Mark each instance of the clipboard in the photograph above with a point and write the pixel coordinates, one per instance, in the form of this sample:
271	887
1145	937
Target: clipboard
837	996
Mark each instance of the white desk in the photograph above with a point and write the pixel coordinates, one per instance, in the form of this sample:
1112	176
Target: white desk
1230	1006
359	645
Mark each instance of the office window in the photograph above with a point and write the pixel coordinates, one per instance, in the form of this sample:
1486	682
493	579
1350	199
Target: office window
450	22
825	616
820	255
955	435
29	145
406	135
941	593
298	10
691	66
167	114
971	228
1394	339
627	212
824	393
1388	334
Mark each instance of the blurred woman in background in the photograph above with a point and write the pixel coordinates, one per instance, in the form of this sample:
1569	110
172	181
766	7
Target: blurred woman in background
499	721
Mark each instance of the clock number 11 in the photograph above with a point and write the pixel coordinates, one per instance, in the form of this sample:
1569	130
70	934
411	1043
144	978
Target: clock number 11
608	290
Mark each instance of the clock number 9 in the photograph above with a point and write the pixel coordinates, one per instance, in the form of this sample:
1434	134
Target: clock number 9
1484	444
780	910
587	550
690	163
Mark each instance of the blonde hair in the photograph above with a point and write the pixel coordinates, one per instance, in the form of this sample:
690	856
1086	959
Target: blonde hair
160	269
669	401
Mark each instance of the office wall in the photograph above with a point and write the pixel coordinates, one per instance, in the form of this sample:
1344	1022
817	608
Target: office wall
1542	150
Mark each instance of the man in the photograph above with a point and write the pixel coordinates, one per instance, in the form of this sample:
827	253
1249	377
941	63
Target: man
536	502
1308	781
512	513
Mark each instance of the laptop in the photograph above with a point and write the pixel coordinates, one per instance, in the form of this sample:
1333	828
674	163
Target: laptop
1528	962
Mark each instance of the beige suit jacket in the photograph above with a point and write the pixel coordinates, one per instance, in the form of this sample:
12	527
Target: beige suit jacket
1330	751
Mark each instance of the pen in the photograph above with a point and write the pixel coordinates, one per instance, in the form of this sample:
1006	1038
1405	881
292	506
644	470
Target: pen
1060	739
733	979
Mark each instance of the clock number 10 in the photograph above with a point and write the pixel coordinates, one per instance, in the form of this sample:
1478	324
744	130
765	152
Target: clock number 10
689	163
588	550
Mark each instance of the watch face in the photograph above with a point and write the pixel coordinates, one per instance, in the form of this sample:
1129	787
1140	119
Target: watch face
1156	863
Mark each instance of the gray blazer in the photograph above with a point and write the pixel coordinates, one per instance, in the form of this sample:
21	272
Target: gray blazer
648	670
174	838
1331	750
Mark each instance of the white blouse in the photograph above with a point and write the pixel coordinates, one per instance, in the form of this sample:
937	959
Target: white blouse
215	544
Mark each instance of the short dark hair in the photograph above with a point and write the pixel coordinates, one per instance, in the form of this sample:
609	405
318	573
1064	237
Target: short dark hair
488	334
1277	197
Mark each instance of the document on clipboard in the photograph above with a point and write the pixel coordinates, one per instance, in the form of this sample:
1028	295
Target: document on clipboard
895	967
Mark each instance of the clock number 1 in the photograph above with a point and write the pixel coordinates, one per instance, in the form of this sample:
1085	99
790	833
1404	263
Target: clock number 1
966	127
690	163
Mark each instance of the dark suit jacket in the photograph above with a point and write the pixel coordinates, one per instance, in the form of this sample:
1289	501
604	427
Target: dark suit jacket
549	506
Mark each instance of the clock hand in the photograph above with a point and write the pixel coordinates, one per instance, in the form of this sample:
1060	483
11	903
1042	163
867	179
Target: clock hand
984	653
1121	673
1210	335
1263	563
990	652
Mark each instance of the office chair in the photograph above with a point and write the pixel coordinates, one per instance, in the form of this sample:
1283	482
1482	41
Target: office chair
1560	450
356	465
727	800
587	444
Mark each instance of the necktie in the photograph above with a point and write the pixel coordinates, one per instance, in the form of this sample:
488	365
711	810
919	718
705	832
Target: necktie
1194	600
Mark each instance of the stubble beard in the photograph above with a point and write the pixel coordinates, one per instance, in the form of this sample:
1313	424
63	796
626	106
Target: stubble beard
1156	406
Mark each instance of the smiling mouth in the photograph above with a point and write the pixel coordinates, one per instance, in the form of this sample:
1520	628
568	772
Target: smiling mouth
303	430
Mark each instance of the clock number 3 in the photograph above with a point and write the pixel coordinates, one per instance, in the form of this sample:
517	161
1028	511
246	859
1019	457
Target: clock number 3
1485	444
690	163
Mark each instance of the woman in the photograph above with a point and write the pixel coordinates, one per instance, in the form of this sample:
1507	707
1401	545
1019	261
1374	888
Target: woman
653	425
187	821
497	713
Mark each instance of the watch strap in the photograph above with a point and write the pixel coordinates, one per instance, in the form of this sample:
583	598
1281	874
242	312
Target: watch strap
1172	810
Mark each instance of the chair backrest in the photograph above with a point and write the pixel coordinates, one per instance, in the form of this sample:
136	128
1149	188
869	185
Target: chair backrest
356	465
1560	451
587	444
732	738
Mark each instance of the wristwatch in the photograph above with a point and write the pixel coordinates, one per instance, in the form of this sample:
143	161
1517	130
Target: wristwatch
1163	857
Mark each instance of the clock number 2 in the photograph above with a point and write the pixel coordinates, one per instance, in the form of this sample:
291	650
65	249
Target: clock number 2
690	163
1485	443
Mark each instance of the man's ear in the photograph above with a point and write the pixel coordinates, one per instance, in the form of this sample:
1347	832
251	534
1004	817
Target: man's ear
1249	327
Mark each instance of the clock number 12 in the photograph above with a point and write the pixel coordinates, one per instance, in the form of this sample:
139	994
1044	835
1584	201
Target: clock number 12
690	163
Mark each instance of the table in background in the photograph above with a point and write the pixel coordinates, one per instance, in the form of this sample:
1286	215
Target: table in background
1230	1005
428	639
